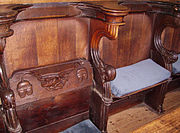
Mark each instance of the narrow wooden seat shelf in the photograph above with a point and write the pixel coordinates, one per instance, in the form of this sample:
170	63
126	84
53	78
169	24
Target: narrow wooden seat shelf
50	98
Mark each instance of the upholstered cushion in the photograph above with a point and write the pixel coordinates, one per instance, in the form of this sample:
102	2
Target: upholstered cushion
137	76
176	66
85	126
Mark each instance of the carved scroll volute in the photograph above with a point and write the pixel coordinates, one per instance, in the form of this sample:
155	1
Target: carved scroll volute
108	16
8	14
161	22
109	27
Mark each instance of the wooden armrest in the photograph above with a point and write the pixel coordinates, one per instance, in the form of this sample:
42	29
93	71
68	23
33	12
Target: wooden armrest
105	72
110	72
169	55
108	16
161	22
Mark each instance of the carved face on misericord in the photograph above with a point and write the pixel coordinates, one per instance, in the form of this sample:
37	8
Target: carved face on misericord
24	88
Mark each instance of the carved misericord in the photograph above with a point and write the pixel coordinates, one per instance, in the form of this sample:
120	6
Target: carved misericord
53	81
52	77
24	88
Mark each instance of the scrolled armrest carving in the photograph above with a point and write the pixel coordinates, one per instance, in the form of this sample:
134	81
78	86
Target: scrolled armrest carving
108	16
169	55
110	72
106	72
161	22
107	19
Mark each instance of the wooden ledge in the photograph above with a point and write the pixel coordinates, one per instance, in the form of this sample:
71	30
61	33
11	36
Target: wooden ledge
111	6
8	13
163	7
108	12
167	8
48	10
40	1
108	8
136	6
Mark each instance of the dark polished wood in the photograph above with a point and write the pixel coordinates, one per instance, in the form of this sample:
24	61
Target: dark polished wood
50	10
166	30
42	1
62	124
46	86
108	16
52	93
101	97
41	82
8	14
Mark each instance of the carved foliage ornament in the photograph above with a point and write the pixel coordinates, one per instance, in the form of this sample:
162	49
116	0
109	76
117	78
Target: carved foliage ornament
53	81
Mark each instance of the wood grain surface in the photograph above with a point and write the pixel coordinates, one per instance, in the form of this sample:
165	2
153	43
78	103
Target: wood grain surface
134	36
169	123
41	42
138	116
171	38
46	1
42	38
41	1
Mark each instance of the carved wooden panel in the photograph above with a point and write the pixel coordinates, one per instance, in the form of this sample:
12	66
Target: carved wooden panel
49	81
52	81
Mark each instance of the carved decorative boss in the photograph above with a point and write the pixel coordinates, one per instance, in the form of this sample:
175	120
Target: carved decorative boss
52	77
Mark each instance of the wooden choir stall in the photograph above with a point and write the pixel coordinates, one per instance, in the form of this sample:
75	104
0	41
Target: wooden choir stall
66	66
